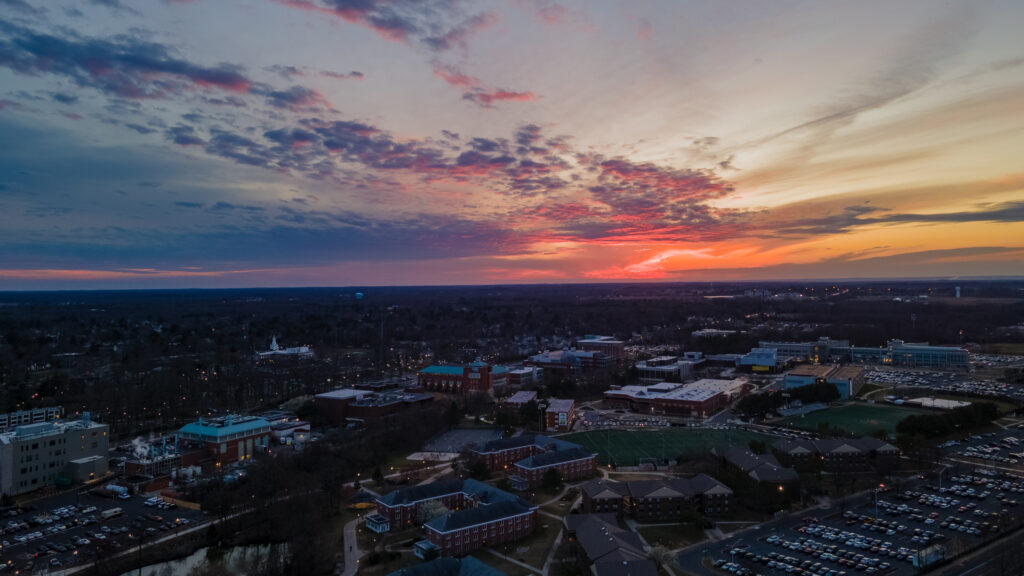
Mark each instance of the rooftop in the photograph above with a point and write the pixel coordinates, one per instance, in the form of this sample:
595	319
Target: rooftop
522	397
343	394
223	427
559	405
556	457
479	515
812	371
438	369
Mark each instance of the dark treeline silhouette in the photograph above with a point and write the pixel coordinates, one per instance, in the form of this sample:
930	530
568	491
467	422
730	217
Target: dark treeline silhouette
150	360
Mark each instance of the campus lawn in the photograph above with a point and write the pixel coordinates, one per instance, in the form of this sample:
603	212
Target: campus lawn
857	419
630	448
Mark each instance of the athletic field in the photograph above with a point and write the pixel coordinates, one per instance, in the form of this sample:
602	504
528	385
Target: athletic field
629	448
858	419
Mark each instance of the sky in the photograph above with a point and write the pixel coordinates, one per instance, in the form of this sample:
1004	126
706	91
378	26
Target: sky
229	143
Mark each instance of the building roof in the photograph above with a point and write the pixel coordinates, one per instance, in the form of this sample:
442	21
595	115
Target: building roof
599	488
811	370
538	440
767	472
479	515
604	540
437	369
467	566
864	444
343	394
847	373
522	397
555	457
764	468
478	491
624	567
229	426
558	405
424	492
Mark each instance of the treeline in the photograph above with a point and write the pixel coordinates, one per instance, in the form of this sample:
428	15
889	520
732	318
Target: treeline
757	405
975	415
296	498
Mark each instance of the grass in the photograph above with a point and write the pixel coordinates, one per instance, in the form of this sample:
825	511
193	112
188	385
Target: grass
537	545
628	447
869	388
671	537
1003	406
501	565
1005	348
858	419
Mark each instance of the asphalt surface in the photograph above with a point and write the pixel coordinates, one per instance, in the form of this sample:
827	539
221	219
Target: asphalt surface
118	534
847	533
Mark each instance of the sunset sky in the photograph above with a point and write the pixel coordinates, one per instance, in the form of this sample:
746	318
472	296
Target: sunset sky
223	143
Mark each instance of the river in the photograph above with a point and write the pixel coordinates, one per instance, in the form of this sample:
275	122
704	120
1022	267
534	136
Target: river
238	560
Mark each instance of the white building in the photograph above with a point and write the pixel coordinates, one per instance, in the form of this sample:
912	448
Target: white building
34	456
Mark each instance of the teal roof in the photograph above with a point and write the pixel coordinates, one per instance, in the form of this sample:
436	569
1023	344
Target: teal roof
220	429
499	370
435	369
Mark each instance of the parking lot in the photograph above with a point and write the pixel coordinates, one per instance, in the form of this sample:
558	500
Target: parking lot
71	529
1003	449
902	530
956	383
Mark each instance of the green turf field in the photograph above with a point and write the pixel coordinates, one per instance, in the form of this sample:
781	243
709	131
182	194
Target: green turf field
628	447
859	419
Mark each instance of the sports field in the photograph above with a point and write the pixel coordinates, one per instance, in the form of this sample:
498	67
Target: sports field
628	447
858	419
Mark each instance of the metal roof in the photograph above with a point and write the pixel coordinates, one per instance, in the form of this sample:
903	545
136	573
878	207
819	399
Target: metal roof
436	369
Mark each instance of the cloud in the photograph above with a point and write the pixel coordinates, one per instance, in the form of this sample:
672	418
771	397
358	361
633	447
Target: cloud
473	90
644	30
353	75
126	67
286	72
553	13
460	34
23	7
295	98
116	6
487	97
184	135
434	24
861	215
64	98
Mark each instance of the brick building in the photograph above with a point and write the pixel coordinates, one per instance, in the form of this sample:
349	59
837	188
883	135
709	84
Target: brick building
229	438
604	549
572	464
462	532
525	377
503	453
764	468
479	514
607	345
478	376
834	453
701	398
348	404
572	361
336	402
657	499
559	415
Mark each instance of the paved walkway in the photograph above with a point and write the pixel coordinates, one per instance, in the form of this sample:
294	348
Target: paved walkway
514	561
352	551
